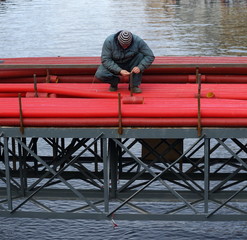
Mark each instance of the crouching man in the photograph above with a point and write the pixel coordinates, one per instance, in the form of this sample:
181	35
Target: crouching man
124	53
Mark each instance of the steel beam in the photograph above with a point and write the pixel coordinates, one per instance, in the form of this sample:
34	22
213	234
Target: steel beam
206	173
173	133
7	173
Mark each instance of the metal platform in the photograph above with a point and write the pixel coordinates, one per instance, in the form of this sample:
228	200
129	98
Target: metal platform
171	174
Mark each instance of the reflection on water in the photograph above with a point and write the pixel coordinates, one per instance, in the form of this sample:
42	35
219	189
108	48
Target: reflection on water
199	27
79	27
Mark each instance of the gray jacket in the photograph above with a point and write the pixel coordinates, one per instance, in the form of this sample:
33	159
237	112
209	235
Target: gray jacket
113	54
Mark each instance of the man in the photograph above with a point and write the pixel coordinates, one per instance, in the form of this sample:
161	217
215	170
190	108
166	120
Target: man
123	54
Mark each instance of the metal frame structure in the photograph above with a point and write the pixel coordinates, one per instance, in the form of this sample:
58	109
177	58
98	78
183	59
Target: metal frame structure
97	173
187	174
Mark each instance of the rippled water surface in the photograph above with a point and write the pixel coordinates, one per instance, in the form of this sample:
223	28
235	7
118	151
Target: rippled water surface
79	27
31	28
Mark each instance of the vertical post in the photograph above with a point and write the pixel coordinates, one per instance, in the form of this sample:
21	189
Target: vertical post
21	114
120	126
206	173
7	173
55	147
35	149
25	153
14	154
48	78
113	157
35	86
106	176
198	80
22	163
96	157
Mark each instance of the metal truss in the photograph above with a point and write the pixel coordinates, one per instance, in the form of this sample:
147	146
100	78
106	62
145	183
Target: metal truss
142	174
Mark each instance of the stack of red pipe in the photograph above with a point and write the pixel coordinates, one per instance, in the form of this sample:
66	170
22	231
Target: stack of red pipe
73	98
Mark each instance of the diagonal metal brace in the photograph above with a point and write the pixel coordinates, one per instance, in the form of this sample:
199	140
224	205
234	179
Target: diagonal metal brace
56	174
60	162
156	176
233	153
240	190
228	200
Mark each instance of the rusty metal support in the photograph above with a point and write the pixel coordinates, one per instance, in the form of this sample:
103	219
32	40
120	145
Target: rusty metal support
198	80
35	86
47	79
21	115
120	126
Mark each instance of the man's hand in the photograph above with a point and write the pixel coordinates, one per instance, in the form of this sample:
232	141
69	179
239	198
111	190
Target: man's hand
136	70
124	73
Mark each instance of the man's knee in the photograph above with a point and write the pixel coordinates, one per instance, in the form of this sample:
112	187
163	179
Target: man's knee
106	76
99	73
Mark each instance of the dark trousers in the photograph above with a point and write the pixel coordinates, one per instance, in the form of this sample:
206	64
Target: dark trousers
108	77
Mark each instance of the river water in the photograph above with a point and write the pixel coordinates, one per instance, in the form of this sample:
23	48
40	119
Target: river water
33	28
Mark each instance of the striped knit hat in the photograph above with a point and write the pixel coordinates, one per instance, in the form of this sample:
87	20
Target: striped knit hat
125	38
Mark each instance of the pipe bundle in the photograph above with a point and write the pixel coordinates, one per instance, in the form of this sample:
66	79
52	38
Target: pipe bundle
71	97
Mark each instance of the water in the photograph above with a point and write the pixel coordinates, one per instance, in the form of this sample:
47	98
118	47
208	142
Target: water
32	28
79	27
71	230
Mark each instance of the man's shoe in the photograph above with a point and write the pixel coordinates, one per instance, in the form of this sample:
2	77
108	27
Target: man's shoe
136	90
113	88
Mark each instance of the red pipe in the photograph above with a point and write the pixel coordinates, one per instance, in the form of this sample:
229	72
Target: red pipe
159	91
127	122
10	95
154	108
61	89
14	73
172	60
132	100
147	78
